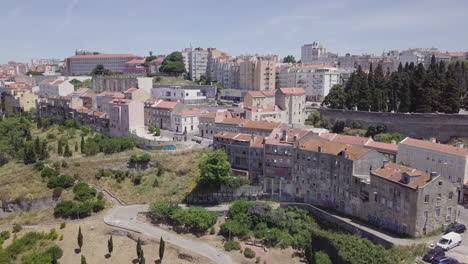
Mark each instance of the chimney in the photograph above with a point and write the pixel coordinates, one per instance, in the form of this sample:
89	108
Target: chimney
385	163
433	140
285	135
393	142
460	145
319	148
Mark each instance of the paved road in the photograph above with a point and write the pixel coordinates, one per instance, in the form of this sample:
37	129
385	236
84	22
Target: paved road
126	217
461	252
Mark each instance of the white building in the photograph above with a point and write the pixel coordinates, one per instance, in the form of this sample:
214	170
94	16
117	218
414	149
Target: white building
411	56
450	161
179	94
185	56
311	53
84	64
198	62
50	87
317	80
187	121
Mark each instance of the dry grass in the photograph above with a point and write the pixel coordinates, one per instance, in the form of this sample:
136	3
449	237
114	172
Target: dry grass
96	234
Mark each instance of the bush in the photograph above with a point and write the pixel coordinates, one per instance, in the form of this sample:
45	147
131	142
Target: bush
249	253
232	245
375	129
136	179
98	205
64	164
100	196
39	166
356	124
57	192
64	181
70	209
388	137
53	234
63	224
83	192
163	209
17	228
338	127
48	172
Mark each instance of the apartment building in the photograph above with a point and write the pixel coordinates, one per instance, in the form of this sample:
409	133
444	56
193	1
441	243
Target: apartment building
292	102
136	94
245	152
84	64
312	53
121	83
59	108
198	63
125	116
177	93
55	87
261	128
450	161
185	56
317	80
160	113
257	73
410	201
261	99
207	123
101	101
16	100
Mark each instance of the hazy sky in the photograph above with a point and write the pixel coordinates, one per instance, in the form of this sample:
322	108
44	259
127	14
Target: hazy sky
55	28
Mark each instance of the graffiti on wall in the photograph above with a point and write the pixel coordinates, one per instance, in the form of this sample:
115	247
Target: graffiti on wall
386	223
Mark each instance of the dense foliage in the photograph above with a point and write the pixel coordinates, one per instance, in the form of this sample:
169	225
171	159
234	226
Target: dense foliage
27	242
231	245
197	219
413	88
289	59
173	64
77	84
102	143
70	209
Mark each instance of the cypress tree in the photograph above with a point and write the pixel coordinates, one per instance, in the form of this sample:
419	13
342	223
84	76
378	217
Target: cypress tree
28	134
110	245
351	90
76	146
363	92
138	248
80	238
59	147
83	259
451	99
373	103
82	144
37	145
404	94
67	152
379	95
417	88
44	151
162	248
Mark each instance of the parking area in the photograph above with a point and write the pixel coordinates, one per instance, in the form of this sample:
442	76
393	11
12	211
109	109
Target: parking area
461	252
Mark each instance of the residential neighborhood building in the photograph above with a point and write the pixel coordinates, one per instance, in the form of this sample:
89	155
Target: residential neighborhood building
101	101
317	80
121	83
51	87
292	102
84	64
160	113
137	94
450	161
198	63
257	73
125	116
186	122
207	123
178	93
13	101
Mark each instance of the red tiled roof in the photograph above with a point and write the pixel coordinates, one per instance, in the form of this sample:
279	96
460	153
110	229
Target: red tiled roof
103	56
333	148
112	94
312	66
157	103
435	146
158	59
382	146
190	112
120	101
269	108
276	136
452	54
136	61
261	124
261	93
393	172
293	90
131	90
345	139
232	121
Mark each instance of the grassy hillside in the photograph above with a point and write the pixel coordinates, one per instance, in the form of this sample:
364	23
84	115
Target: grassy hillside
172	81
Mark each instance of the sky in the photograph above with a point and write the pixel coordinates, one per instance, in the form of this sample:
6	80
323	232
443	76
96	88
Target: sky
55	28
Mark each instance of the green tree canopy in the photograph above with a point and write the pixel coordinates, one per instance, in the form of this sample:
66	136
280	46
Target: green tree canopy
173	64
289	59
215	168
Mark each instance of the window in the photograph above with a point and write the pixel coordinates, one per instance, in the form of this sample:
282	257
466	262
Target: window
426	199
449	213
426	214
382	201
450	195
437	212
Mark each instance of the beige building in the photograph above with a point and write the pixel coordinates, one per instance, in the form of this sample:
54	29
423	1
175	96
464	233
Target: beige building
125	116
260	99
292	102
257	73
159	113
55	87
136	94
17	100
450	161
207	123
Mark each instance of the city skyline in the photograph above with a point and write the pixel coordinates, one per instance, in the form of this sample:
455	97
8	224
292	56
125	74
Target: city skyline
56	29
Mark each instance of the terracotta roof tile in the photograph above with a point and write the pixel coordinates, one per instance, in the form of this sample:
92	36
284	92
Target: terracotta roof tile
232	121
131	90
435	146
262	93
190	112
103	56
293	90
394	172
333	148
261	124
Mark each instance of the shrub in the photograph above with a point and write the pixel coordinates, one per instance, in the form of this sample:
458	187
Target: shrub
57	192
100	196
53	234
98	205
136	179
17	228
63	224
212	230
83	192
64	181
70	209
163	209
76	164
39	166
249	253
231	245
48	172
322	258
64	164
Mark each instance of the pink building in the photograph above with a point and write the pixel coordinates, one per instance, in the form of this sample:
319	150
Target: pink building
124	116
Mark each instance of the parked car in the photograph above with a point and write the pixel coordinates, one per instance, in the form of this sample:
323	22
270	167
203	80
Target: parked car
449	241
445	260
434	253
457	228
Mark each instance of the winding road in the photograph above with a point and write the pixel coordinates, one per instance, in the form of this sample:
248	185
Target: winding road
126	217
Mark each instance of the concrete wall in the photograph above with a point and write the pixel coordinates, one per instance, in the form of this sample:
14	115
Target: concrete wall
440	126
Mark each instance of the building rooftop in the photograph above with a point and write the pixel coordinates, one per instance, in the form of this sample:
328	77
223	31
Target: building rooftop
261	124
292	90
345	139
435	146
394	172
121	101
131	90
190	112
103	56
285	136
157	103
269	108
323	146
136	61
255	141
261	93
232	121
112	94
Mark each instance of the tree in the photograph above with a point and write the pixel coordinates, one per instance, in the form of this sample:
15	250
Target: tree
100	70
157	132
83	260
162	248
44	154
322	258
173	64
379	95
289	59
214	168
338	127
67	152
76	146
29	154
151	129
59	147
138	248
363	92
336	97
82	144
80	238
110	245
309	255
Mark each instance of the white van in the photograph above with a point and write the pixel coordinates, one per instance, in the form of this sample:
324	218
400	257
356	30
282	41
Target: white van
449	240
